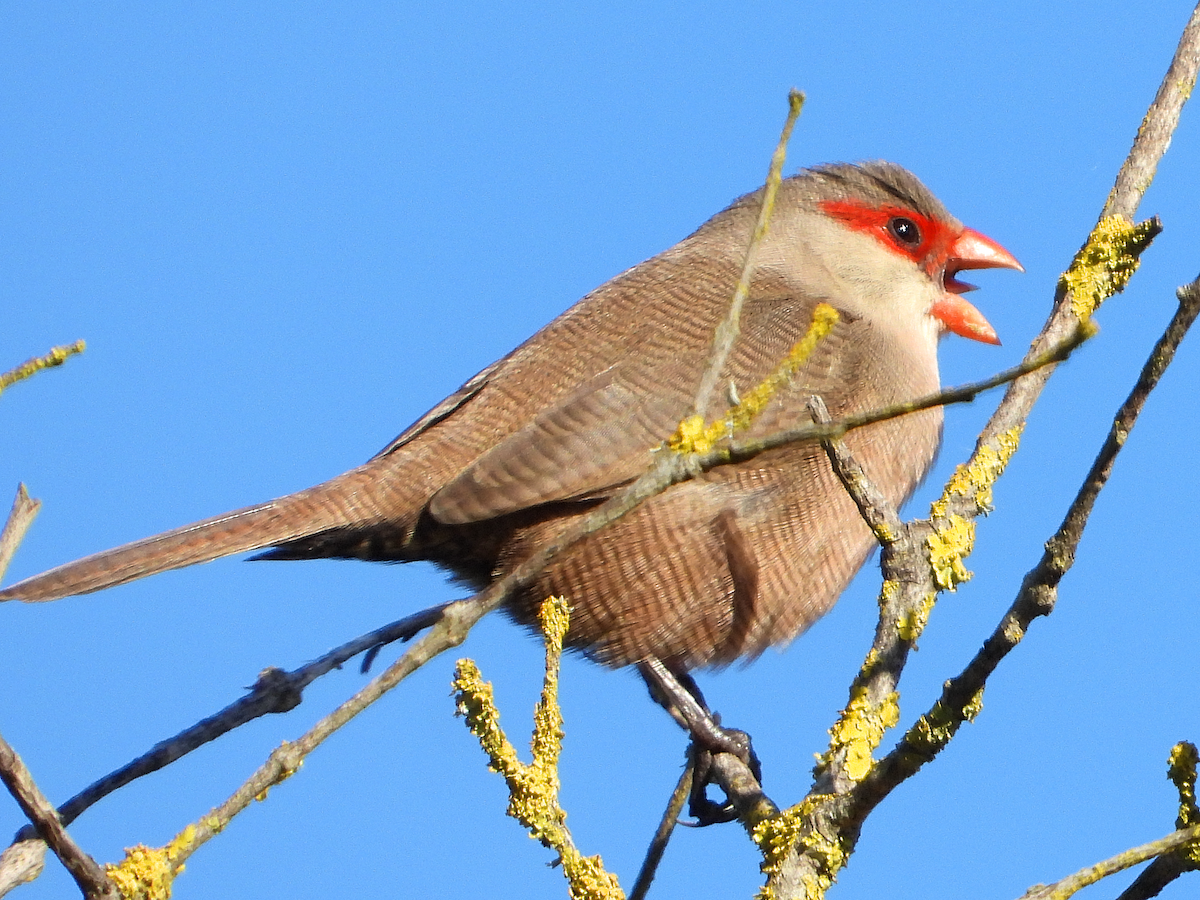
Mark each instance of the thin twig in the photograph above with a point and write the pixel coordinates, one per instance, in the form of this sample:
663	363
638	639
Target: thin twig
1154	135
24	509
1068	886
662	835
727	332
56	357
87	873
24	861
838	428
877	511
275	691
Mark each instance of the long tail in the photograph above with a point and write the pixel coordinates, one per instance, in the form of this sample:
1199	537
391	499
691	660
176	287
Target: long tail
338	506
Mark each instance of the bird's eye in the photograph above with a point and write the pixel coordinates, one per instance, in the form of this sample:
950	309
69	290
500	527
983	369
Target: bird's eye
904	230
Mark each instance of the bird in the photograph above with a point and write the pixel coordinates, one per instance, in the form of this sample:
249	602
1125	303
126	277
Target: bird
715	569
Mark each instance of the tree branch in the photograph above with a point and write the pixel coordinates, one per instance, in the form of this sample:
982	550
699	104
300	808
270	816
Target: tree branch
666	827
1068	886
20	517
727	332
87	874
56	357
1039	590
807	845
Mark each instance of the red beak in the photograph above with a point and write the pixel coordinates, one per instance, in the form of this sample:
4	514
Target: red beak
970	250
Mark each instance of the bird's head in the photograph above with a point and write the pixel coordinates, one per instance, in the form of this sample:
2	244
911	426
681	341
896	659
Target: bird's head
888	204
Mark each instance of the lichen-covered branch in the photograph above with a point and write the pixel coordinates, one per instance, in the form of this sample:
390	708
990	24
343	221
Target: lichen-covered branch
806	845
1106	262
1181	769
533	788
726	333
961	695
1072	884
56	357
693	436
1173	855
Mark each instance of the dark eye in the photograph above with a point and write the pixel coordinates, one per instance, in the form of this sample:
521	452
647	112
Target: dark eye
904	230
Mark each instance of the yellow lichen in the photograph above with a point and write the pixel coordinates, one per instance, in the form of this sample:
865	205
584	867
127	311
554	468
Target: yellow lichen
780	836
692	436
859	730
934	730
181	842
949	544
144	874
912	623
975	480
1181	770
1105	263
954	536
888	593
533	788
870	662
56	357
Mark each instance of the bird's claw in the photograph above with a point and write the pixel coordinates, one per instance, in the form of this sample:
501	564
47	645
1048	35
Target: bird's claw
702	753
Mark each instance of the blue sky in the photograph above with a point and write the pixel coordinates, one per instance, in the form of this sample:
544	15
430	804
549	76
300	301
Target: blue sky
288	229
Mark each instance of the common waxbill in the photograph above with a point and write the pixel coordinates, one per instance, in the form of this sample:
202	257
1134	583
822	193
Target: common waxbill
715	569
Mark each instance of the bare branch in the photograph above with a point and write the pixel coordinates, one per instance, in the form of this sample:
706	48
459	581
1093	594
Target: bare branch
275	691
727	332
21	863
879	514
662	835
1154	135
87	874
24	509
1156	876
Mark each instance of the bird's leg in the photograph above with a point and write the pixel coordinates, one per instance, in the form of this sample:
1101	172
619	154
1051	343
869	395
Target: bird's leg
677	692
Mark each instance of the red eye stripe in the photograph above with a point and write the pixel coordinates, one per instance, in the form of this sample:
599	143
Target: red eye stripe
931	253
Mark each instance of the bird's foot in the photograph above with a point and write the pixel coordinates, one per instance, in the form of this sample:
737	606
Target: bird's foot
702	755
678	693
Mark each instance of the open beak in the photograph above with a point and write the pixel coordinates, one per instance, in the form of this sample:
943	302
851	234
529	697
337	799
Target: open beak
970	250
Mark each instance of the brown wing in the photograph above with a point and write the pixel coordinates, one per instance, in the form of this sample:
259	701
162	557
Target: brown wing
601	435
